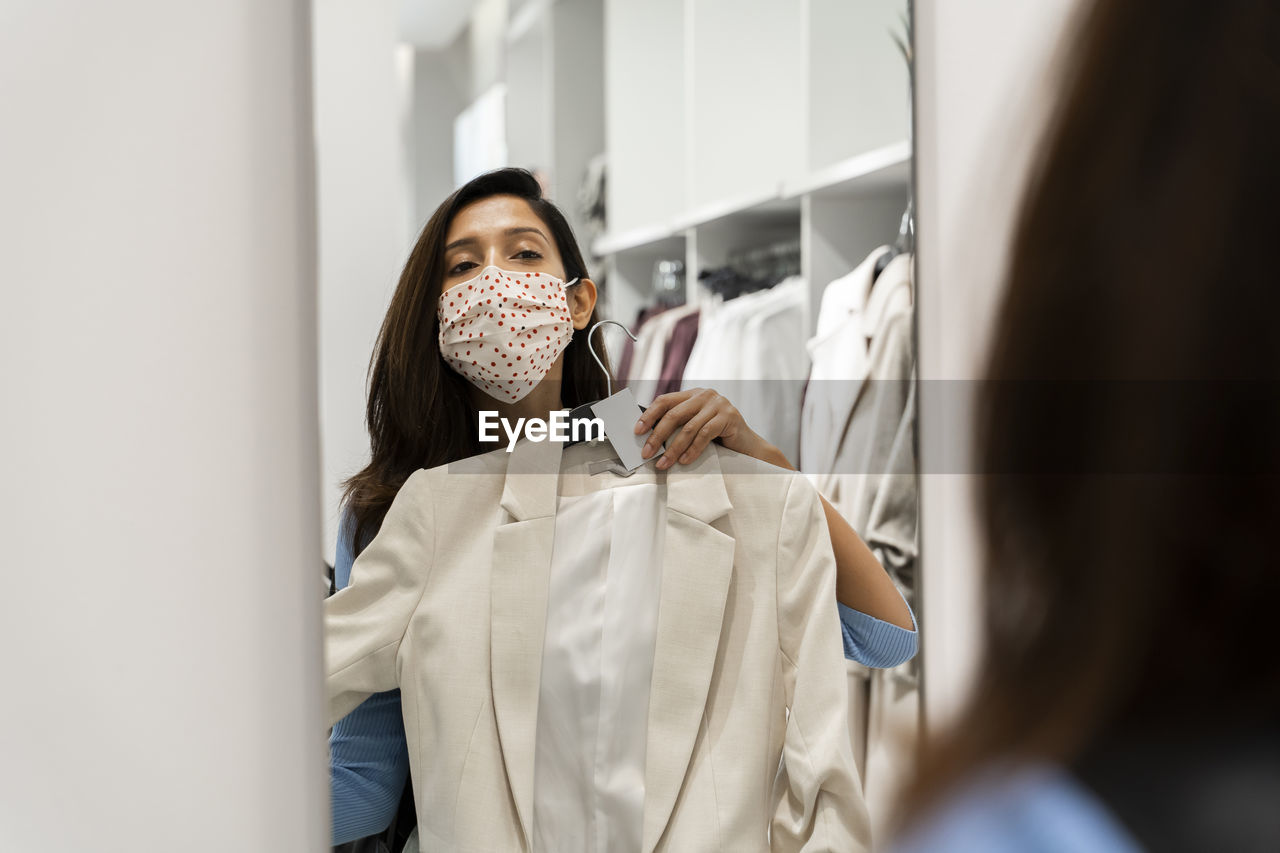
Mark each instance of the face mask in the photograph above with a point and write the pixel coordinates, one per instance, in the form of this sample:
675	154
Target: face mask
502	330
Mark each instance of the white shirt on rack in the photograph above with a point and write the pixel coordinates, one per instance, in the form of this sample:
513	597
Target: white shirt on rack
750	349
776	365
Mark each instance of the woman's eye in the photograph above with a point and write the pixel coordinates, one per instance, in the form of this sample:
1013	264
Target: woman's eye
461	267
529	255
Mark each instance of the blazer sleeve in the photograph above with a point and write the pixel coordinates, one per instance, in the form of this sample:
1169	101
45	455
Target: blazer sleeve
365	623
819	804
368	755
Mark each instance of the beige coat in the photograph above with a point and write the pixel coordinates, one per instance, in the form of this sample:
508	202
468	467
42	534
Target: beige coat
448	603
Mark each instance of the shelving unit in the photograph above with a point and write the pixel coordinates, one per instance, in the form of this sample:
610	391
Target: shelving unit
739	123
839	213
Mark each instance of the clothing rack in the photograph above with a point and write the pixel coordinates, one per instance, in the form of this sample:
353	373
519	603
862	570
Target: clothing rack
771	264
728	283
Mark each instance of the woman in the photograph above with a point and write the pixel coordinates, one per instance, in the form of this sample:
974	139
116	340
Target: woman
1131	436
422	413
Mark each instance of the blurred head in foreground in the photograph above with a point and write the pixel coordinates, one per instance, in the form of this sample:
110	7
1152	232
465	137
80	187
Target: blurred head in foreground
1129	432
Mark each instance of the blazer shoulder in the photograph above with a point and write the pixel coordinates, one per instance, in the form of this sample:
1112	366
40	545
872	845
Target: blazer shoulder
759	477
426	484
733	462
492	462
413	499
462	487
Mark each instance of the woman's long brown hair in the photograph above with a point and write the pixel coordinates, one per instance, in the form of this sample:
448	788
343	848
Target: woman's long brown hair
1129	430
419	411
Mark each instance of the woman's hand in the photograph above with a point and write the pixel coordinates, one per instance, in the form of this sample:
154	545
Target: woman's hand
693	419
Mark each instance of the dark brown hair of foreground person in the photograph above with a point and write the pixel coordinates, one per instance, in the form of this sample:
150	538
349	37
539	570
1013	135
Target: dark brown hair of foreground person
1120	603
420	412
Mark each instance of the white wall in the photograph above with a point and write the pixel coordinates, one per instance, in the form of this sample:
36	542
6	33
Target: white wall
528	67
160	611
856	73
982	87
747	98
365	210
577	106
645	114
487	35
440	89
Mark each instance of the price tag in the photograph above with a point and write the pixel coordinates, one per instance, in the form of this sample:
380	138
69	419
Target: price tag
619	414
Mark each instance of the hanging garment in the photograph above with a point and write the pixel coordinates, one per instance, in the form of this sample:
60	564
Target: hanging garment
679	346
715	323
751	348
838	352
892	534
651	348
892	741
775	365
872	474
858	447
629	347
746	742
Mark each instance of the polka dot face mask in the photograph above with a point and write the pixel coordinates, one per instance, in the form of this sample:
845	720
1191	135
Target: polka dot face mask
502	330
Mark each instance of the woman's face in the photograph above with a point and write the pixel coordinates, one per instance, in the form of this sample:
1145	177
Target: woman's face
501	231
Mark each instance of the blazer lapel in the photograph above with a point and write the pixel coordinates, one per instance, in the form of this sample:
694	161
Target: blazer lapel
518	611
697	565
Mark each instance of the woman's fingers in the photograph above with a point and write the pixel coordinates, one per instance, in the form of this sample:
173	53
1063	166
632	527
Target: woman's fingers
706	434
686	422
659	407
682	441
671	412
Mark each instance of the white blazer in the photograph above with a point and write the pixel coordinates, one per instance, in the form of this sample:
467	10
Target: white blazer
748	742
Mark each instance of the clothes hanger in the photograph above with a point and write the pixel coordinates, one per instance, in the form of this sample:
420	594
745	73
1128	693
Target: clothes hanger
901	246
617	412
584	411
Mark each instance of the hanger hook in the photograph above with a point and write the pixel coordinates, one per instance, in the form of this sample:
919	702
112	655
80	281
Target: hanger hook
608	378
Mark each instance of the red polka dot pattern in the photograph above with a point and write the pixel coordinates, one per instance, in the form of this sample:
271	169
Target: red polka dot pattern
523	314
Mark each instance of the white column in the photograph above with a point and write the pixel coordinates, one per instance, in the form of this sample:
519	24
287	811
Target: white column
983	83
161	593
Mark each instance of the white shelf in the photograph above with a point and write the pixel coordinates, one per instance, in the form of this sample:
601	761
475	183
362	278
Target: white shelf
749	203
752	205
636	238
868	172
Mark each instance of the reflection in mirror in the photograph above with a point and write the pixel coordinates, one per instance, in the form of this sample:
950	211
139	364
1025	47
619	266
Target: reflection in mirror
558	646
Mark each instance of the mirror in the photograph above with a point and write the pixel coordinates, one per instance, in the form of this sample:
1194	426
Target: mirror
738	177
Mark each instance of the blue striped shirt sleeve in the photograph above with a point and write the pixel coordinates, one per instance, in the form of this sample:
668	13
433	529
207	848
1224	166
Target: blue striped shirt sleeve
368	754
875	643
